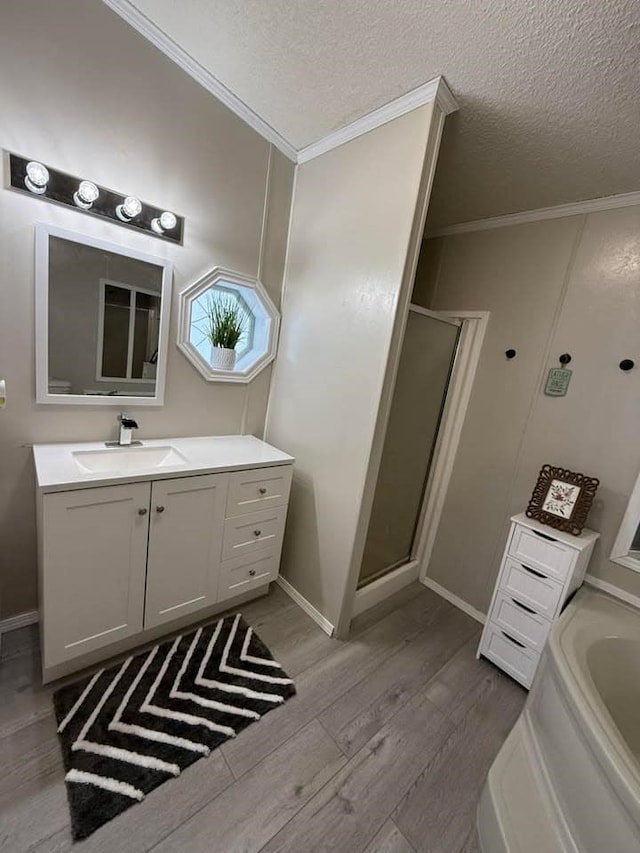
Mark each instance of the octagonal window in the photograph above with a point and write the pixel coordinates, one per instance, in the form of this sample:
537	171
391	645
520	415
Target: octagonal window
228	326
219	301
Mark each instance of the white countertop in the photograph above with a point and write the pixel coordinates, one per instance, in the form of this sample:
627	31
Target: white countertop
57	470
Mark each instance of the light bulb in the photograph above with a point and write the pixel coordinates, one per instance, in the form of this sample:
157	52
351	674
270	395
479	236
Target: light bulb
167	221
129	209
86	194
37	177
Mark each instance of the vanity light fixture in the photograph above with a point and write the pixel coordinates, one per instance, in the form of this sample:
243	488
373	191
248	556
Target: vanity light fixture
167	221
36	178
86	194
129	209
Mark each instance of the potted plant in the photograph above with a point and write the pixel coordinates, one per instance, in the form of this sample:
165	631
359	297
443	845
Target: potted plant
226	323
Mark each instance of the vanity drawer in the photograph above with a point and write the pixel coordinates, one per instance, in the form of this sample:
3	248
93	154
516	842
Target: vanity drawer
531	588
253	532
517	619
261	488
510	655
246	573
552	558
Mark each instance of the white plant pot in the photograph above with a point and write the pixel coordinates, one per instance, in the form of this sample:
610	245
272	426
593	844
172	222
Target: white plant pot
223	358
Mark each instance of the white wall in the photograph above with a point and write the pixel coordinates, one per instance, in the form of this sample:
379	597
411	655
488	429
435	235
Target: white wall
352	221
83	92
565	285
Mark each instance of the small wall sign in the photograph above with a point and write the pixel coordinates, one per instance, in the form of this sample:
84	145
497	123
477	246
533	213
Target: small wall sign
557	383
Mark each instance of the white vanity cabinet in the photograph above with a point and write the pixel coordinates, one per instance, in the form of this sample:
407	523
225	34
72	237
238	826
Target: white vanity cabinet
186	520
541	568
253	529
118	562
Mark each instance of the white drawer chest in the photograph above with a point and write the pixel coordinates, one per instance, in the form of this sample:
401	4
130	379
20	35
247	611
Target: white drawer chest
540	569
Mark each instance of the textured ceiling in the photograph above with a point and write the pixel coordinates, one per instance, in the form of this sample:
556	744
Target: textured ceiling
549	90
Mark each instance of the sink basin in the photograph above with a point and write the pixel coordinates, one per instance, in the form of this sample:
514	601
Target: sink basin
127	460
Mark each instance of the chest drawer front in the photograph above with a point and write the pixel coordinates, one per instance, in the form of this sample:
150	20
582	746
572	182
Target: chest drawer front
245	573
253	532
517	660
517	620
540	593
554	559
261	488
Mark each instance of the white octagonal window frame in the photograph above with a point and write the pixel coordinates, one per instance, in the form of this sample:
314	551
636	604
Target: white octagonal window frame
256	353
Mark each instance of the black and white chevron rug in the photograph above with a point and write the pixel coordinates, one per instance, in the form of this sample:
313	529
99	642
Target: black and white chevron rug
127	729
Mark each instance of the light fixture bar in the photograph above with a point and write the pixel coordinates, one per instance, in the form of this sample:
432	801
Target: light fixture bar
38	180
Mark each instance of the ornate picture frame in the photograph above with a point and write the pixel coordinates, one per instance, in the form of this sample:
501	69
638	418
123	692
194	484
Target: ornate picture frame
562	499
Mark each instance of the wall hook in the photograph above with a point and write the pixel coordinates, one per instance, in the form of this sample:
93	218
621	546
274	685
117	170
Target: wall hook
511	353
565	358
626	364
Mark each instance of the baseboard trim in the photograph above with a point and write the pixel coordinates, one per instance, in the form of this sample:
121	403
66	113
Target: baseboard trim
20	620
308	608
455	600
378	590
627	597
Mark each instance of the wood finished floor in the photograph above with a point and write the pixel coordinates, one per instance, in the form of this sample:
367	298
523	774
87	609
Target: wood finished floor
384	748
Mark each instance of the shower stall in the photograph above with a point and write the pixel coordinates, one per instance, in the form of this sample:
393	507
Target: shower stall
422	384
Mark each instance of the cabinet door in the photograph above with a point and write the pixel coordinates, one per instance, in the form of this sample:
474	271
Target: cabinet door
94	560
185	544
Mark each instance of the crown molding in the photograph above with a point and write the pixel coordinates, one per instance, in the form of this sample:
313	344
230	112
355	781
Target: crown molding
135	18
592	205
445	98
435	90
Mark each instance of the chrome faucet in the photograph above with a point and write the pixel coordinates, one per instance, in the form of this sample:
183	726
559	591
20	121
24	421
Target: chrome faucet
127	425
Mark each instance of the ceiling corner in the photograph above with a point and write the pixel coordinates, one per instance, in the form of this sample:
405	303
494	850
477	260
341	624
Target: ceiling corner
136	19
445	98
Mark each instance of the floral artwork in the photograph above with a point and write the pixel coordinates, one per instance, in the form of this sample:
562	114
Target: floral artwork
561	498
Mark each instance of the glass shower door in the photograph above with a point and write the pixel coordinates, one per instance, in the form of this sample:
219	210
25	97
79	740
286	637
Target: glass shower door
426	361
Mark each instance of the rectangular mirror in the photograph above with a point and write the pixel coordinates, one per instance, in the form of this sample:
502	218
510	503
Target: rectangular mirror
102	320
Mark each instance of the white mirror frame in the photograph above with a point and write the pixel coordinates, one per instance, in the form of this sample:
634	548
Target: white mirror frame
621	551
43	233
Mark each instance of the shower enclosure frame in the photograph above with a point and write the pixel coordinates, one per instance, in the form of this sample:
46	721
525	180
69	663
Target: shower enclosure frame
474	324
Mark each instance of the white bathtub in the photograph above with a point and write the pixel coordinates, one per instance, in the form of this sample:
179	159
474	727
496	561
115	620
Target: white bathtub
567	779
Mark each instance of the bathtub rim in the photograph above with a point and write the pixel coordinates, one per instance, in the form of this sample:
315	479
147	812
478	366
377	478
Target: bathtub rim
595	615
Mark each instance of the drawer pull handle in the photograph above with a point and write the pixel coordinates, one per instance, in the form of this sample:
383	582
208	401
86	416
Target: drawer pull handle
159	509
143	510
252	572
262	491
257	532
523	606
545	536
513	640
533	571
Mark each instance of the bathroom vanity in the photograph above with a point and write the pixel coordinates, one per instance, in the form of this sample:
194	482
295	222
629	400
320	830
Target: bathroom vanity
136	541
